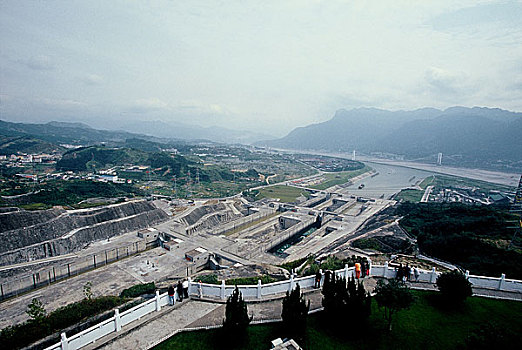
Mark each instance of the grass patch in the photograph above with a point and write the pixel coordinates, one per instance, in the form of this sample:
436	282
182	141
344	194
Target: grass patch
426	325
409	195
287	194
332	179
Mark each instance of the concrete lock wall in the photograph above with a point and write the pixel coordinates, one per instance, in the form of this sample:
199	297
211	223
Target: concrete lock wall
56	273
250	292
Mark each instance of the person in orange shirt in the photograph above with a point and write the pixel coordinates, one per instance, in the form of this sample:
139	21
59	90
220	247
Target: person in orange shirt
357	270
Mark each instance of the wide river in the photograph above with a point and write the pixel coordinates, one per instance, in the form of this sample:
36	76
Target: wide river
391	179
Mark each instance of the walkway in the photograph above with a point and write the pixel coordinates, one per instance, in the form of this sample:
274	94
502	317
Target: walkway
152	330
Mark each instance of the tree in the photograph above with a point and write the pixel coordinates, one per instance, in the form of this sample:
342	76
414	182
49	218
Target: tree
295	311
341	298
87	290
236	315
393	296
454	286
36	311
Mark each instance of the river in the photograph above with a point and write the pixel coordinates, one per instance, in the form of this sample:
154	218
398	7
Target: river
390	180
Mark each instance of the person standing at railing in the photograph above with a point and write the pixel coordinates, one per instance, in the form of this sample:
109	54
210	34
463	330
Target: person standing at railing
363	269
200	289
357	270
179	290
185	289
170	291
318	279
416	273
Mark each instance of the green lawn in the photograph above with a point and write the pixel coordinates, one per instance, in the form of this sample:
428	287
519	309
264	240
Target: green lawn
287	194
426	325
409	195
444	181
332	179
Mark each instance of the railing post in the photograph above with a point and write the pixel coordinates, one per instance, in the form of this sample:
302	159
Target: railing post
502	281
223	289
158	307
291	285
117	320
64	342
369	267
346	272
467	274
259	289
433	277
189	285
385	270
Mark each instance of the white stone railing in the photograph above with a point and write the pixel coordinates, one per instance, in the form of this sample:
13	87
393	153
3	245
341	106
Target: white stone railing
252	293
495	283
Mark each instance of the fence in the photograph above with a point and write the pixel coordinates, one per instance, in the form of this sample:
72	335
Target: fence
53	274
252	293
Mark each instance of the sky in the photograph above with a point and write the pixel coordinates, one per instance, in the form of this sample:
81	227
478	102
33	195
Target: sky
266	66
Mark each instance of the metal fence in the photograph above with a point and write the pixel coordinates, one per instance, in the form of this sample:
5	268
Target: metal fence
51	274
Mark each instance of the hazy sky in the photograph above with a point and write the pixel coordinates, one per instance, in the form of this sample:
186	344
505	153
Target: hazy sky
266	65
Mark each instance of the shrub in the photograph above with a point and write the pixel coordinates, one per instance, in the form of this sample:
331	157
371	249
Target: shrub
137	290
212	279
454	286
21	335
250	280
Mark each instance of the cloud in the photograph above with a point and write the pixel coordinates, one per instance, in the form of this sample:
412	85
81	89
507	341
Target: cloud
61	103
92	79
39	63
442	81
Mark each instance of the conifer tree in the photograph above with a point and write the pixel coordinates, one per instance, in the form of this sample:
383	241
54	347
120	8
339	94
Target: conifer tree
236	315
295	311
343	298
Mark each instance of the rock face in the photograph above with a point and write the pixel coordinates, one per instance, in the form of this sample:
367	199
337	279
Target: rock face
28	235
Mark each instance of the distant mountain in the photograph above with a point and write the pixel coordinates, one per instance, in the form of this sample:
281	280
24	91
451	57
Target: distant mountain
66	133
191	132
482	137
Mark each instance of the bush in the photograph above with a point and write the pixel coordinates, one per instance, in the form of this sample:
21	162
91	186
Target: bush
211	279
454	286
21	335
250	280
137	290
293	264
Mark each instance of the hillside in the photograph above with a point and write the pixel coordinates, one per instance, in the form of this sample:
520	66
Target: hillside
66	133
95	157
26	144
478	137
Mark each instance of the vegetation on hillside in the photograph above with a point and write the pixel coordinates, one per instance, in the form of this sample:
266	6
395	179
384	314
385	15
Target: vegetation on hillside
475	238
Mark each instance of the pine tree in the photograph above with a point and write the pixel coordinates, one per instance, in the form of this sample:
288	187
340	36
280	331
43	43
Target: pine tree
295	311
236	315
342	298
